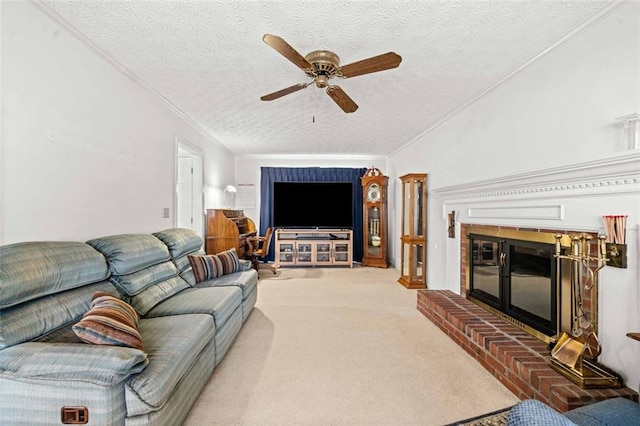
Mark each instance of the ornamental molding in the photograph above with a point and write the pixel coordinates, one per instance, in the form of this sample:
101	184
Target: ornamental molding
619	173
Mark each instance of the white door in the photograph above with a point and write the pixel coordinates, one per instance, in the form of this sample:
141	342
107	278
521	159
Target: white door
184	188
189	195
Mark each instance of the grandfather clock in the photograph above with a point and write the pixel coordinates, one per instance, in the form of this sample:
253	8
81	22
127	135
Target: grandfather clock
374	216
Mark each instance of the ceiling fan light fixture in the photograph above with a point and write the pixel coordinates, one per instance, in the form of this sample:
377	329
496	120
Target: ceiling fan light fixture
322	81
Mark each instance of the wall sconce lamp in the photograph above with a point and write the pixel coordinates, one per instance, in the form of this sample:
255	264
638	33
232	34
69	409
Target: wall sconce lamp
451	226
229	196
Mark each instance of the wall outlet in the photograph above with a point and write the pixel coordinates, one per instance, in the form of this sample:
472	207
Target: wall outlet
166	213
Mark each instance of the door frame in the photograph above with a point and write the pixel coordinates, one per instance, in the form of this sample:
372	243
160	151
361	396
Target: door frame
185	148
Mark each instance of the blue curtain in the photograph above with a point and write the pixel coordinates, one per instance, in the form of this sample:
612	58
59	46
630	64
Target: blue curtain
269	175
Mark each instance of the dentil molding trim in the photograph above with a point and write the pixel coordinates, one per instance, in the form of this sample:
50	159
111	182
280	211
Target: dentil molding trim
618	173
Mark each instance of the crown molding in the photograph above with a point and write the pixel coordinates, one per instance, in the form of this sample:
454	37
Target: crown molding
46	10
329	157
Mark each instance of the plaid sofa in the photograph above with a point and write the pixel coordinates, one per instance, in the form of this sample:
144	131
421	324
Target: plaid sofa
48	374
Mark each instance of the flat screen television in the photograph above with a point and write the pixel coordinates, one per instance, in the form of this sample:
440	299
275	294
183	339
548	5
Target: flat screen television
312	205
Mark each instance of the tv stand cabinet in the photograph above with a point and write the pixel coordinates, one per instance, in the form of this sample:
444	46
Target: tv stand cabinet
314	247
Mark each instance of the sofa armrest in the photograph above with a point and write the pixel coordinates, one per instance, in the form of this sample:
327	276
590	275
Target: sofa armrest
612	412
534	413
245	264
101	365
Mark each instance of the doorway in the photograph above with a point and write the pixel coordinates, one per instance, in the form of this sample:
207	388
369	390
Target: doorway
189	182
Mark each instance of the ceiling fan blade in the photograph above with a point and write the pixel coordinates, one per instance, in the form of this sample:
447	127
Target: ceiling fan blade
287	51
281	93
377	63
342	99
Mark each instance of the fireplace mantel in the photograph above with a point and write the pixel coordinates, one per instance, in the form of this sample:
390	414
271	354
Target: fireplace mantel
571	198
617	173
553	198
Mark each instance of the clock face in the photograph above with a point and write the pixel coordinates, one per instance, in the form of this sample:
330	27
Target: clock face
373	193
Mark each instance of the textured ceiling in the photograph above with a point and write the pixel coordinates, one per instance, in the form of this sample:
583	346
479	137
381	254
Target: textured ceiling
207	59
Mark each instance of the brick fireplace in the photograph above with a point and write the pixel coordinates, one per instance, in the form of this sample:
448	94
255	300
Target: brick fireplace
512	355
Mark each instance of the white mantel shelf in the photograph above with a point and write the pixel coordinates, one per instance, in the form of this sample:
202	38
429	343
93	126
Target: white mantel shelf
619	173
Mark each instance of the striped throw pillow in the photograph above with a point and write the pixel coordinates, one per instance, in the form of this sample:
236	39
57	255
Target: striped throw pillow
210	266
109	321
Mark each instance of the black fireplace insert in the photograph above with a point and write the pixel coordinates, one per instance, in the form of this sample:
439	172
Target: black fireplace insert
516	278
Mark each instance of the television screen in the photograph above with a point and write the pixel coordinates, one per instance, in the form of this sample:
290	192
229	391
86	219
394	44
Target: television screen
312	205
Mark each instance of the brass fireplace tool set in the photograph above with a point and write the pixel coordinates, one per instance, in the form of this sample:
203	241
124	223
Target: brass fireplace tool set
575	354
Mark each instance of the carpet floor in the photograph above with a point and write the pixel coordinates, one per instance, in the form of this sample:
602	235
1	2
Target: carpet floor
340	346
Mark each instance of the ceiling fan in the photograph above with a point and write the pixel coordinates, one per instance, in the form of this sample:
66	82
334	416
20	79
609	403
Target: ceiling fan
322	65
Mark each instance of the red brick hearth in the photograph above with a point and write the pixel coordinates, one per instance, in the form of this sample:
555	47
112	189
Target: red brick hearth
513	356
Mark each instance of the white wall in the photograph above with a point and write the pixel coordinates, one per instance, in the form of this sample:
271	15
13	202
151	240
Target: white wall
248	170
86	151
503	159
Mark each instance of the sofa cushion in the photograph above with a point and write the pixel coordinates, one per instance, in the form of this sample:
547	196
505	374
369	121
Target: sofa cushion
132	284
246	280
182	262
110	321
227	334
179	241
218	302
101	365
172	344
531	412
128	253
210	266
43	316
184	266
141	268
33	269
152	295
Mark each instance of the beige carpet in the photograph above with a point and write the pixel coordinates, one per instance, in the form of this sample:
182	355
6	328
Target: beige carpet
339	346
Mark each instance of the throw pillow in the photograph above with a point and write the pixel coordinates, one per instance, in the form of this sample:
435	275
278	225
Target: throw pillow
109	321
208	266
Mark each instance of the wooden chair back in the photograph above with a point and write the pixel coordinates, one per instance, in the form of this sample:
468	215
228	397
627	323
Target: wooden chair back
264	249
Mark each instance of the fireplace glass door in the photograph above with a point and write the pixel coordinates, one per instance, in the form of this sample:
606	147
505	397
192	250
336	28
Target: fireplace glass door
530	271
517	278
486	271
